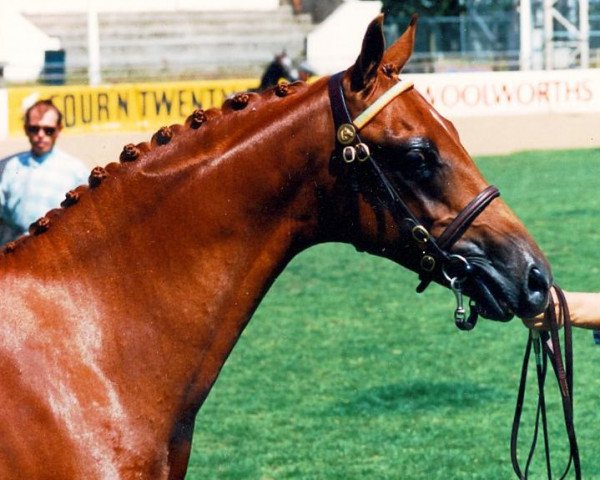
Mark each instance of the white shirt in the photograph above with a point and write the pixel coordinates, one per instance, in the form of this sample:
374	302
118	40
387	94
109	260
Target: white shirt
31	186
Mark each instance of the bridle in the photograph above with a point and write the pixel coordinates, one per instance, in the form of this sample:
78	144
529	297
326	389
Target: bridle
435	257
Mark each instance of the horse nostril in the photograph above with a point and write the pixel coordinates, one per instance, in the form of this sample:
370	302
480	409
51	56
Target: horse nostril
537	282
535	293
538	288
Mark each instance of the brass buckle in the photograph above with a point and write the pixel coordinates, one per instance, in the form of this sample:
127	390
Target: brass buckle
420	234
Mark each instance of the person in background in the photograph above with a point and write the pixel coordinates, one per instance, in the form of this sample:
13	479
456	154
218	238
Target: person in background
280	68
35	181
297	6
305	71
584	308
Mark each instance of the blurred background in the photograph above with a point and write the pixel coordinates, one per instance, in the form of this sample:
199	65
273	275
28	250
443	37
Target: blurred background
88	41
135	65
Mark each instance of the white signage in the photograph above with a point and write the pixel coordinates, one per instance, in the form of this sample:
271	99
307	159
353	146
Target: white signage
510	93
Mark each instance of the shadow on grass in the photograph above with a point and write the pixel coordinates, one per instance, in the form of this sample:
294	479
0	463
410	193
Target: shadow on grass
418	395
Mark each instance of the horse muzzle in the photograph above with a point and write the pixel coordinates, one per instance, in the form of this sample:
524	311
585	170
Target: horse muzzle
500	295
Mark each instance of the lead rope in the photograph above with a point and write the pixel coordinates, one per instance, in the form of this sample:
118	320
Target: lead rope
546	346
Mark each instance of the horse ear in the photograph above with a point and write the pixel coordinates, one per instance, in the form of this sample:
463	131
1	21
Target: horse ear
364	70
400	51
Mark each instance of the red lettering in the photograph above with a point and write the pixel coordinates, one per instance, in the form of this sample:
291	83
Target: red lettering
471	95
586	92
525	93
542	92
504	95
571	92
428	94
446	99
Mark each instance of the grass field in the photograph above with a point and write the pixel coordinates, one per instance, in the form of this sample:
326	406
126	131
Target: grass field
346	373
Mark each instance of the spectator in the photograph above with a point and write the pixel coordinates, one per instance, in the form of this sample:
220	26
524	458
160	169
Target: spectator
305	71
297	6
35	181
279	68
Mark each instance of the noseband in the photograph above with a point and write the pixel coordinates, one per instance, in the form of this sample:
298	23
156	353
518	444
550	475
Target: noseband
435	256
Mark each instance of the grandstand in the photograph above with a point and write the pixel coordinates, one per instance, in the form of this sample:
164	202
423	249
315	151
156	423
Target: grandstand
200	39
178	44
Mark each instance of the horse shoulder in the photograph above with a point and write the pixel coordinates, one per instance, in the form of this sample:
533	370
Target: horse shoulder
34	443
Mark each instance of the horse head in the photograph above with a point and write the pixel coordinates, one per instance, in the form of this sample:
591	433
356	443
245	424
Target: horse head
414	195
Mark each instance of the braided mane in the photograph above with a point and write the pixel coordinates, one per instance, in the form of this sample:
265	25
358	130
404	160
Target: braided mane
198	121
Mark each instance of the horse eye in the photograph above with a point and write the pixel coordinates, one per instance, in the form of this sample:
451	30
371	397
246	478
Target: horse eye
415	157
418	164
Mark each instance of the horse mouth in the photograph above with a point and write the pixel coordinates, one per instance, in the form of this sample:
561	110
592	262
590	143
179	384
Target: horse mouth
489	292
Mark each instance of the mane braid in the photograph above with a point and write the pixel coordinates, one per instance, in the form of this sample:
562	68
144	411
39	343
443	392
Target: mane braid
164	136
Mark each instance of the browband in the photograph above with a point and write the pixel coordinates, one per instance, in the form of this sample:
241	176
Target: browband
366	116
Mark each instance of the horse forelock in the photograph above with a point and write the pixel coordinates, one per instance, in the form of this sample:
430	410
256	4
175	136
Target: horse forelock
197	138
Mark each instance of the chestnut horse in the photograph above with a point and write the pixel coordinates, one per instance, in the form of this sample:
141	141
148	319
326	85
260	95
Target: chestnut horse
120	308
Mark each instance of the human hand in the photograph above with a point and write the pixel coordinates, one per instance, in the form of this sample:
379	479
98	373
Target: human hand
542	321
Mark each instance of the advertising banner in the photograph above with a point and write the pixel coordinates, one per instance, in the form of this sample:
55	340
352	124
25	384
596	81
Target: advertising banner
148	106
3	113
124	107
511	93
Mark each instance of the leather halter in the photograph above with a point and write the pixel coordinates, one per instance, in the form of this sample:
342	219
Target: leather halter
435	253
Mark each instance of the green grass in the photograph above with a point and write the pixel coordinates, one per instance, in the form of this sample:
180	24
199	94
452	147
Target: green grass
346	373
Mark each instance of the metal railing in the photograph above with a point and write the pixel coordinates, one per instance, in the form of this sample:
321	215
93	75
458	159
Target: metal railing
473	42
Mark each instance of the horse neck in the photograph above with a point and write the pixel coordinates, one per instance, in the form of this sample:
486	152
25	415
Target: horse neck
194	244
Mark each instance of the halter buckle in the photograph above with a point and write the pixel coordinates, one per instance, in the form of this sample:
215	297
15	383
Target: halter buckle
362	152
420	234
349	154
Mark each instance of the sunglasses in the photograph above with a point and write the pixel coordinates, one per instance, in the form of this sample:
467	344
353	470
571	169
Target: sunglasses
33	129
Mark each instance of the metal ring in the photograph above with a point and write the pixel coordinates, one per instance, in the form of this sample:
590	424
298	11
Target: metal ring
452	257
420	234
455	282
362	152
349	154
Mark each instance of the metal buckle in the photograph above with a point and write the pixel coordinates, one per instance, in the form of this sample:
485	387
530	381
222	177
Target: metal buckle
362	152
420	234
349	154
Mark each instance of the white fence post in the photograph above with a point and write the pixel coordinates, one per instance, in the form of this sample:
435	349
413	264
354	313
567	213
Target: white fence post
93	36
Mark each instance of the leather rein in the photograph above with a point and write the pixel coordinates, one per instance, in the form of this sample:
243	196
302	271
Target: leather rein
435	256
546	346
